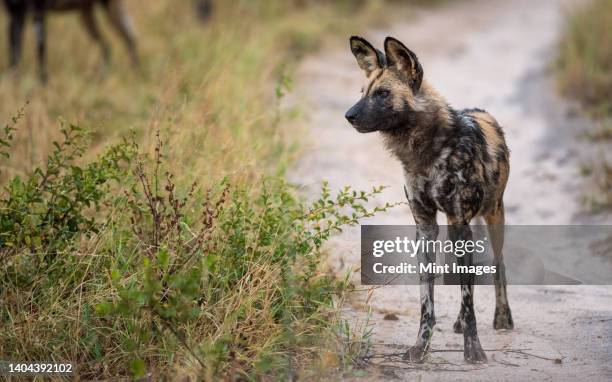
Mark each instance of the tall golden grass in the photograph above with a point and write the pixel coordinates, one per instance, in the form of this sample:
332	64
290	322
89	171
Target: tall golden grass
208	87
585	57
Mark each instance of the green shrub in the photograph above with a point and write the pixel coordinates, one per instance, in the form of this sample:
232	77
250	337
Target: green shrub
143	277
41	213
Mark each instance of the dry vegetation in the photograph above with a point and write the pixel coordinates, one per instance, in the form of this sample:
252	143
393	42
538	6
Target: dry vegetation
585	74
210	88
585	59
110	259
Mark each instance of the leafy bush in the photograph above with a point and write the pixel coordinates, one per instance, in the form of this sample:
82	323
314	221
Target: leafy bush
45	210
233	282
42	213
164	280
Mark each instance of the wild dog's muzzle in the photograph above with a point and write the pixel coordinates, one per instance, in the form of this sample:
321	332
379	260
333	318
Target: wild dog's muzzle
351	114
355	117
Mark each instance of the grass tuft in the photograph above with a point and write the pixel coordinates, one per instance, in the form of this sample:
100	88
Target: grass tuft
584	73
585	58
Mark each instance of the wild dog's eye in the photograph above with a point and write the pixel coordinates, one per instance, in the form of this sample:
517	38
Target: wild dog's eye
381	93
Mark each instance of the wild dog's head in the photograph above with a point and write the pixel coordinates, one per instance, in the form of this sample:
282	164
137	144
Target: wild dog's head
393	82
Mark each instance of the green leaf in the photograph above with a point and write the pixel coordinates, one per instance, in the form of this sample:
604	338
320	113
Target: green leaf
137	367
104	308
163	258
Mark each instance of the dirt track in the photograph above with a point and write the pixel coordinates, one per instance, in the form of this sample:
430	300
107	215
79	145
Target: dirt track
493	55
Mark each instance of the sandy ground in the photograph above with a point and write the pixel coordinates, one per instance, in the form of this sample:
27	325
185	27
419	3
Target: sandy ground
494	55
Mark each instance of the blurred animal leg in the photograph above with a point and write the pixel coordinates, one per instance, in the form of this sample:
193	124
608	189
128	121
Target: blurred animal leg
17	22
89	20
122	22
204	9
40	31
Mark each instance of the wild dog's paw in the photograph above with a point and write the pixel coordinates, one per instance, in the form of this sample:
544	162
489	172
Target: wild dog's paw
415	354
503	319
457	326
472	350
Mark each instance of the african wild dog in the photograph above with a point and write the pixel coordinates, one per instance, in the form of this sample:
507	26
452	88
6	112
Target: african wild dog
18	9
454	161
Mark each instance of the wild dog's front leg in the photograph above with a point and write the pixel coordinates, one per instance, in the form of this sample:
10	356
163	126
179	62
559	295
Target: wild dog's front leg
416	353
472	350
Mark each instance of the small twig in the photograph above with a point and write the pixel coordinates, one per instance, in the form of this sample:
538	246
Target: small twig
384	355
461	350
520	351
422	368
401	354
388	357
504	362
180	338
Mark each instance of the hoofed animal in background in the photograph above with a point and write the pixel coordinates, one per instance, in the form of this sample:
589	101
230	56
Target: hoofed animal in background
454	161
204	10
19	9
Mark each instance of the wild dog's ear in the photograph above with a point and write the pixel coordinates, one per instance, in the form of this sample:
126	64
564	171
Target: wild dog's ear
404	60
368	57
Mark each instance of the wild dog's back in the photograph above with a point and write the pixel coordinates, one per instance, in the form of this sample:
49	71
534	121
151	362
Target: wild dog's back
496	158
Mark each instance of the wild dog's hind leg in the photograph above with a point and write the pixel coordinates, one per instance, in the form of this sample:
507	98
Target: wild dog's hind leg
495	225
472	350
427	229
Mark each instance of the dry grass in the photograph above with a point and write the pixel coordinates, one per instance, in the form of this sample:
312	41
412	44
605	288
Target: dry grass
585	58
584	72
262	303
210	88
